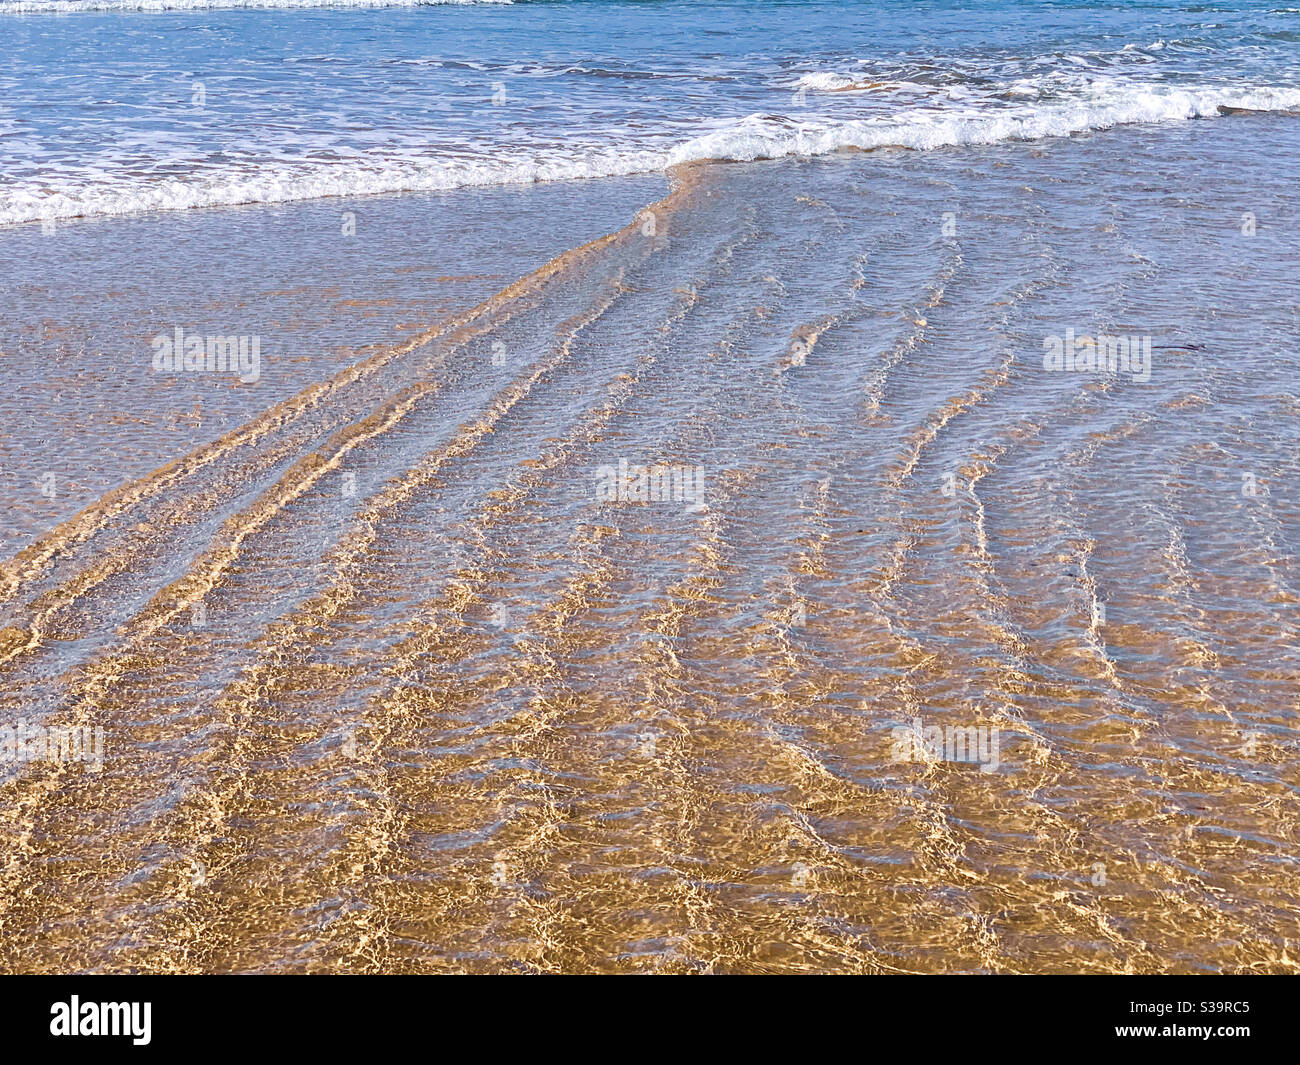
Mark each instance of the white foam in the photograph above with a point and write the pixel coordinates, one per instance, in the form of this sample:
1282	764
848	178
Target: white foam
765	138
831	81
825	81
68	7
755	137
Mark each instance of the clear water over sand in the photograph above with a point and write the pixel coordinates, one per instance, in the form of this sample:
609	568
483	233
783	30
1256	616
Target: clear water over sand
387	684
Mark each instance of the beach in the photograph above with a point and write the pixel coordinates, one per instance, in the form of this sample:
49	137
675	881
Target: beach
879	559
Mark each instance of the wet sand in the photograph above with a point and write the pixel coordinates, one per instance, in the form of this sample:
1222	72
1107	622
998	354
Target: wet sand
389	684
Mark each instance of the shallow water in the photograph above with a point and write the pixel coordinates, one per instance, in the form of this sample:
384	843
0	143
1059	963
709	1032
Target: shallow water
388	685
321	284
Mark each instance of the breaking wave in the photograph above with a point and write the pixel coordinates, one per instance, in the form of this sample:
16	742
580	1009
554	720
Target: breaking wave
751	138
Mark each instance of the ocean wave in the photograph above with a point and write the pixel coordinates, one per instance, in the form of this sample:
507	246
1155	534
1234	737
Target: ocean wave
925	129
751	138
68	7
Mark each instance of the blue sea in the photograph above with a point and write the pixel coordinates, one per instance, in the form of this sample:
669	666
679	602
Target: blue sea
114	106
